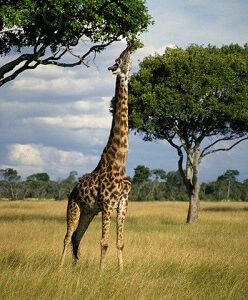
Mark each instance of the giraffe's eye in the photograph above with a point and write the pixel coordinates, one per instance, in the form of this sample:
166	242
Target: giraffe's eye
119	61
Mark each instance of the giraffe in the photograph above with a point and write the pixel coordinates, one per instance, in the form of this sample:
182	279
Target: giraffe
106	188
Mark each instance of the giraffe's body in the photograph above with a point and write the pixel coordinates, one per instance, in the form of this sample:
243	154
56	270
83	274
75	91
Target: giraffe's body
107	187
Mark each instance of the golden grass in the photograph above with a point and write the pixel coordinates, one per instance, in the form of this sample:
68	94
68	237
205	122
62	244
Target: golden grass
164	258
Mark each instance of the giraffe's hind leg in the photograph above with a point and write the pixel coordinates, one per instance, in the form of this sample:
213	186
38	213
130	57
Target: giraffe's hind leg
84	221
73	214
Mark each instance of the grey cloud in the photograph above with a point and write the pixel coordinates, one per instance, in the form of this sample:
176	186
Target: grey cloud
183	22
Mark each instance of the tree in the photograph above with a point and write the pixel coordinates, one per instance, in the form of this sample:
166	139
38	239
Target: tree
174	178
38	177
64	33
66	185
230	176
196	99
38	185
11	178
159	174
244	194
175	186
141	174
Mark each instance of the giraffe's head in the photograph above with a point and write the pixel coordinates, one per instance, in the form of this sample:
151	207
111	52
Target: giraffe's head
123	63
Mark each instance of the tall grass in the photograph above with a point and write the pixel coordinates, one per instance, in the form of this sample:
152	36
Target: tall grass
164	258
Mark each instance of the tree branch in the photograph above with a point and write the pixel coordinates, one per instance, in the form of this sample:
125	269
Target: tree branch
11	65
95	48
230	137
14	29
186	181
221	149
26	66
51	60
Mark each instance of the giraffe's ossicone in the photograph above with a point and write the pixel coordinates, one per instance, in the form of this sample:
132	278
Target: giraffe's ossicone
107	187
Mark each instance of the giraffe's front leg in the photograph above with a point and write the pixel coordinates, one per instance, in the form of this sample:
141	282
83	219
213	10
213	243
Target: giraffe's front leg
121	215
107	213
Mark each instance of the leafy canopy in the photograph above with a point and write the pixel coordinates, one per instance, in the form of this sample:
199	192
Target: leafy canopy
9	175
51	29
141	174
192	94
38	177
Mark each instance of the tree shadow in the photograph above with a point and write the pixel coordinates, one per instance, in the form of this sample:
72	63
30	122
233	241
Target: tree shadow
34	217
224	209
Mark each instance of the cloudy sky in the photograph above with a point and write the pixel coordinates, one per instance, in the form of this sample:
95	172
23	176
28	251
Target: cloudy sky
56	120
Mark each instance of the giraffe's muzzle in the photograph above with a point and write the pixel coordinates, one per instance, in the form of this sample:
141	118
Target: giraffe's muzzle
113	68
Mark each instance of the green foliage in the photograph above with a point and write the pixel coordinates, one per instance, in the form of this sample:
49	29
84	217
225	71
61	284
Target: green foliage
141	174
174	178
226	187
193	93
153	190
62	23
229	175
9	175
47	31
38	177
156	184
36	185
66	185
159	174
10	183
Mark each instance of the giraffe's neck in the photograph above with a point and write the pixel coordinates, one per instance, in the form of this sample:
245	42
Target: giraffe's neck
115	152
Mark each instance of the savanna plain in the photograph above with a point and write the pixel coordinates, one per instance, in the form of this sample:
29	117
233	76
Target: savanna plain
163	257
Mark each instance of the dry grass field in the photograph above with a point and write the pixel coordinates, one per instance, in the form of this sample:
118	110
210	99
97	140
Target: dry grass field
164	258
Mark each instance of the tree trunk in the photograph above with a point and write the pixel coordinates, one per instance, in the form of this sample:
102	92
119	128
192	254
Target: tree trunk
192	172
12	195
192	216
190	178
228	189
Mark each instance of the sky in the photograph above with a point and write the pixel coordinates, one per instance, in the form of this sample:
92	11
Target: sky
57	120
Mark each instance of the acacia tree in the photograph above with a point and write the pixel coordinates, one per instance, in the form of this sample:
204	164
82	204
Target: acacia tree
141	174
230	176
50	32
196	99
11	180
38	177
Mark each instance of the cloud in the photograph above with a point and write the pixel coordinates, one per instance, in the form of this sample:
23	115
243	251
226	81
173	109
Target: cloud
57	162
65	85
77	122
184	22
26	155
